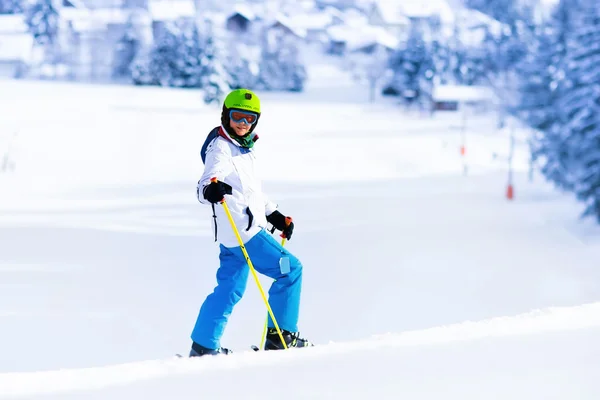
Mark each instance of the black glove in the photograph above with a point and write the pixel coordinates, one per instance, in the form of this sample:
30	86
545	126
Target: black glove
282	223
216	191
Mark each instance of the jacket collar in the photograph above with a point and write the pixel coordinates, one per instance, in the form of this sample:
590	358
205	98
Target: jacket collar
223	132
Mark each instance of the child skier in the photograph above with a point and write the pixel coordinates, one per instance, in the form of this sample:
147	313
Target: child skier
229	157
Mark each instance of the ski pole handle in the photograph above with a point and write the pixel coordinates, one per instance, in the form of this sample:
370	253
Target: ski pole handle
215	180
288	221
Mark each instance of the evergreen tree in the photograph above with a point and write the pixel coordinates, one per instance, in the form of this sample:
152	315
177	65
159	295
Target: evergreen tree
443	55
293	71
239	61
175	59
142	72
541	86
11	6
242	72
125	52
162	62
185	57
560	99
581	105
280	65
413	70
536	103
215	78
42	19
189	69
470	65
501	10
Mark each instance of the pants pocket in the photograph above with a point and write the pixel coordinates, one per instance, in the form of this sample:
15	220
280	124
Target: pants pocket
284	265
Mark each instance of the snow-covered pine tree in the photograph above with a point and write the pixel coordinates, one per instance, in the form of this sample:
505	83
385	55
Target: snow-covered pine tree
541	84
280	65
11	6
42	19
268	76
500	10
470	65
537	105
413	70
455	62
442	53
242	72
293	71
126	50
188	63
141	73
502	52
215	79
175	58
536	83
162	66
581	106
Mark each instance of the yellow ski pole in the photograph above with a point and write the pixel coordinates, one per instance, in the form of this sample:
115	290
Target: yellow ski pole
240	241
288	220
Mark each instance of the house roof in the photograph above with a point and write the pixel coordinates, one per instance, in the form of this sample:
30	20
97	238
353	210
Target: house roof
472	26
473	19
284	21
313	20
365	36
428	8
391	12
244	10
400	12
84	19
354	17
73	4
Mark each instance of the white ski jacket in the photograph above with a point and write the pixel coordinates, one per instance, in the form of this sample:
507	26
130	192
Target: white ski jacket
236	166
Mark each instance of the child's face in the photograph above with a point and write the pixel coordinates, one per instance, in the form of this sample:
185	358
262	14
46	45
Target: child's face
240	128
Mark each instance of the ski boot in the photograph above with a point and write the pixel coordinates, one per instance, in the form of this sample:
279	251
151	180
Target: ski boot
199	351
292	339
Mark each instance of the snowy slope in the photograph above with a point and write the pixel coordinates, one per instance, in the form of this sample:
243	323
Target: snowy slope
522	351
105	254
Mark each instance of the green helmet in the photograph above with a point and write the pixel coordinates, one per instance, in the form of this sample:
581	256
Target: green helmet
242	99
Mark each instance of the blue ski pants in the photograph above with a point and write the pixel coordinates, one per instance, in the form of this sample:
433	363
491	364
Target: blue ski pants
232	276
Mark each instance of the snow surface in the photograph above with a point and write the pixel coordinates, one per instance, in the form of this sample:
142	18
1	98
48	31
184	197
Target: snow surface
421	280
12	24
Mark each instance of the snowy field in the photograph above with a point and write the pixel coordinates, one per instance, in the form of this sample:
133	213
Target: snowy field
421	281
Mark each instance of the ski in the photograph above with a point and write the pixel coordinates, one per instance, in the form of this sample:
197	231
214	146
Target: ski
253	347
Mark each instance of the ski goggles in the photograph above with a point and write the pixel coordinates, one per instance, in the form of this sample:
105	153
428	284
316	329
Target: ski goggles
237	116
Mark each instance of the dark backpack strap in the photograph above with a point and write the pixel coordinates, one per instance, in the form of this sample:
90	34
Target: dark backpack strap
250	218
211	136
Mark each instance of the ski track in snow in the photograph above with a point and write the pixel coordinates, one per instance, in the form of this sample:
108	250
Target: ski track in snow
65	380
